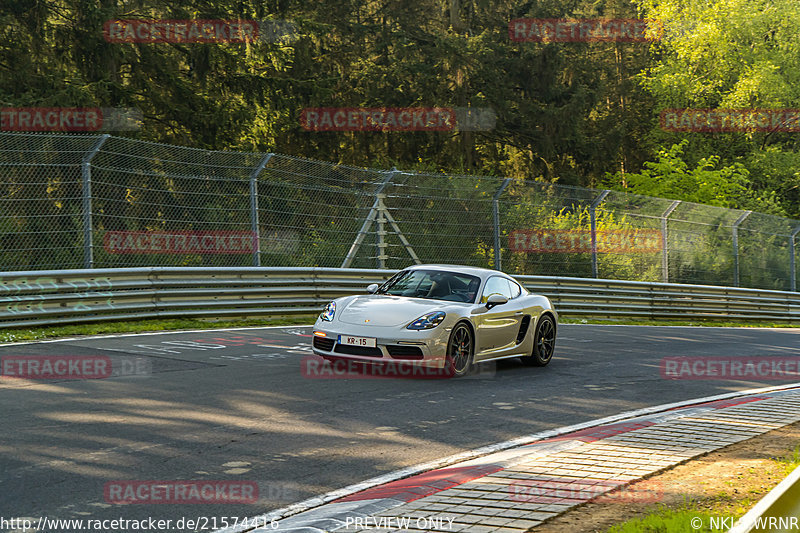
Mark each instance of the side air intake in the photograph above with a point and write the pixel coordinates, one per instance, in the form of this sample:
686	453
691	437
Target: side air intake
523	328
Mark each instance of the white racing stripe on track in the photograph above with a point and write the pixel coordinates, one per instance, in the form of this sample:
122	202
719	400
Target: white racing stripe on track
175	332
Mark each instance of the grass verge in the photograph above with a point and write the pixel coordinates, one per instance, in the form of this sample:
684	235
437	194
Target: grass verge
697	323
714	489
719	511
144	326
667	520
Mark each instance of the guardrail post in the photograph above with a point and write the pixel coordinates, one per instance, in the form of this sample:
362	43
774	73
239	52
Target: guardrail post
664	242
371	217
86	181
254	227
735	236
793	273
593	222
498	263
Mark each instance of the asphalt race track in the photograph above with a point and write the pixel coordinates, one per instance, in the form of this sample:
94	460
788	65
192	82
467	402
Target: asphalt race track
234	405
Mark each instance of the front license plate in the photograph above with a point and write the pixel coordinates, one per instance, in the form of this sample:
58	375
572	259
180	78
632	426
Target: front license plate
369	342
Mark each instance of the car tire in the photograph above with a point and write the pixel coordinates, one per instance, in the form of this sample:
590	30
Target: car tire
544	343
460	351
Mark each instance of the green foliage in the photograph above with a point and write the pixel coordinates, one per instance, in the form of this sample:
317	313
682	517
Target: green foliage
790	461
775	176
730	54
726	53
545	209
567	112
582	113
762	245
564	112
671	177
666	520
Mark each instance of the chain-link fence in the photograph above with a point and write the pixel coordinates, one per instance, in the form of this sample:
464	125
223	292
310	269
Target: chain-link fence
82	201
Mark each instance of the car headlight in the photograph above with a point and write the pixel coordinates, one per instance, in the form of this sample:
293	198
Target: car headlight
327	314
429	321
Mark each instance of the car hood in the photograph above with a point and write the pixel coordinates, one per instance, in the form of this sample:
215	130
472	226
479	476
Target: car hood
383	310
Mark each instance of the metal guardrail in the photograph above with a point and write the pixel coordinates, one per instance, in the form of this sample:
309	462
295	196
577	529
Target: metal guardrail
100	201
778	511
636	299
74	296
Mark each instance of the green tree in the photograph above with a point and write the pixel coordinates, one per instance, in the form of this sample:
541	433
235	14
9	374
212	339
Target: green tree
730	54
670	176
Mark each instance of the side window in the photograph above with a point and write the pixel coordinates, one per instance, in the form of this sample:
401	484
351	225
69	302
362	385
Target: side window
496	285
515	289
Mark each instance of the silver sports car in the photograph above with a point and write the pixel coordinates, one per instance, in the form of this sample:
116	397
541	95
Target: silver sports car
439	316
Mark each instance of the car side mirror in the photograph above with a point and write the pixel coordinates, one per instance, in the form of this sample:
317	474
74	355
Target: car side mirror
495	299
372	288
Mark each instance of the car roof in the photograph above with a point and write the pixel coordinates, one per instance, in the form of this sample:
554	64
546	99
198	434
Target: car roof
473	271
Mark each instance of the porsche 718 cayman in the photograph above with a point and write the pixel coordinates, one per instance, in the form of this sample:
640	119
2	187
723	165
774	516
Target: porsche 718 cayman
440	316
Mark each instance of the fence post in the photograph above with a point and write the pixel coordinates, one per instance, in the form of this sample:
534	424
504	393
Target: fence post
593	222
86	182
498	263
665	242
793	273
735	235
254	227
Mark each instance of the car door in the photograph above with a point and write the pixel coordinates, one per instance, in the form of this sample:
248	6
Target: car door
497	327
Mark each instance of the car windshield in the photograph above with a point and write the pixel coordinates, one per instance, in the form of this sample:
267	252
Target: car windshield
433	284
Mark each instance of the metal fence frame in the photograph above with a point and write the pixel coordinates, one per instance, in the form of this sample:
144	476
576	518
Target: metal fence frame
49	298
384	218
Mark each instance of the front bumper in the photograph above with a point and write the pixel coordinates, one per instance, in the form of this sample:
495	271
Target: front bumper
419	348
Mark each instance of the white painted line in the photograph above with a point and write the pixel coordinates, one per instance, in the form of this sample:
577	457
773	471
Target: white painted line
788	327
171	332
316	501
177	331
